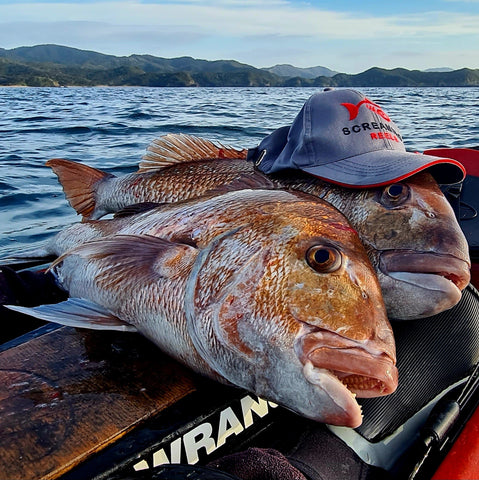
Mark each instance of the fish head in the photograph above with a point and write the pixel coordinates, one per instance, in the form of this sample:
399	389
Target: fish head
289	307
416	245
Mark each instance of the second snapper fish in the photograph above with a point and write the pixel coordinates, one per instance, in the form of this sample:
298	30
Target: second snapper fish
409	229
270	291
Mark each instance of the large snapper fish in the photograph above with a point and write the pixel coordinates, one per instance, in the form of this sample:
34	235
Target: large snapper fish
271	291
409	229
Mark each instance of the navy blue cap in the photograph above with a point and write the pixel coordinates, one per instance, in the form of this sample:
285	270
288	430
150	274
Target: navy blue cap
345	138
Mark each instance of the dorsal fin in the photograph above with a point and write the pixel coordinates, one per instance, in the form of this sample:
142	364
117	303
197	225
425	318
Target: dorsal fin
177	148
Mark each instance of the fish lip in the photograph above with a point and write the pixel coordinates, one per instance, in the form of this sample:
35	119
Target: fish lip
361	369
347	410
428	270
372	376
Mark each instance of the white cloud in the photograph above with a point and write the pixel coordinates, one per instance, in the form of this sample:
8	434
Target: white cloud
258	32
245	18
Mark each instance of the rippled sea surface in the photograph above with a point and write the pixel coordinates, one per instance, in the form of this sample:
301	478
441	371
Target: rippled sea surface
110	128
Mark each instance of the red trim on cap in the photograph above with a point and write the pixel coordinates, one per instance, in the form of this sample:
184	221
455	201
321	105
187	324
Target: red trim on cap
395	179
468	157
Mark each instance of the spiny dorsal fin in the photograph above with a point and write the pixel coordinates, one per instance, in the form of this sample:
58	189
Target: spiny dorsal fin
79	183
177	148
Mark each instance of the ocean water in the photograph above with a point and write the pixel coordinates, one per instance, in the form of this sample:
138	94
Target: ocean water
110	128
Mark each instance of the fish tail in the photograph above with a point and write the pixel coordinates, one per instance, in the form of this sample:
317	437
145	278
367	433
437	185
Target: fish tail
80	183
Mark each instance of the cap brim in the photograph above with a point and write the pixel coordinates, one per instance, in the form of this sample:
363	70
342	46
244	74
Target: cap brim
383	167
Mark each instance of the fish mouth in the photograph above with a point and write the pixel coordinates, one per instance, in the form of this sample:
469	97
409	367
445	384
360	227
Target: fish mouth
431	271
346	369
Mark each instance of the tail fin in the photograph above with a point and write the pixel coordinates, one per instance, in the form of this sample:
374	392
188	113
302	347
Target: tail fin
79	183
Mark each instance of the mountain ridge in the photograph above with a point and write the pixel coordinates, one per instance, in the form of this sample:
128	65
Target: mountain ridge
58	65
287	70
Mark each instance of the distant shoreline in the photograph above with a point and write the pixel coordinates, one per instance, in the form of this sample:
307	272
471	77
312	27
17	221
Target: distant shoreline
59	66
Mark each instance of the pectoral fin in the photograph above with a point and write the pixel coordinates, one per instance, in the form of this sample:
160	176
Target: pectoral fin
136	209
134	259
253	181
76	312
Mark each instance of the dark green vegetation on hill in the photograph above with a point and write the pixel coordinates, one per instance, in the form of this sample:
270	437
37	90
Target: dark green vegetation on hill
54	65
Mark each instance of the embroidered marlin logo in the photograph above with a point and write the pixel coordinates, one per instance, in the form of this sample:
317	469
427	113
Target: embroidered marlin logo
354	109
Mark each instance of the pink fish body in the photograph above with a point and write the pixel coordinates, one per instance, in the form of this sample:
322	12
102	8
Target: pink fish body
271	291
409	230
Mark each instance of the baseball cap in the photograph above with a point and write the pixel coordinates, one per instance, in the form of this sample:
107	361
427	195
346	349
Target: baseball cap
345	138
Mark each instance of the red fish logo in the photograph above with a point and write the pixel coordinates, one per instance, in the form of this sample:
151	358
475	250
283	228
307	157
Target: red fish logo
354	109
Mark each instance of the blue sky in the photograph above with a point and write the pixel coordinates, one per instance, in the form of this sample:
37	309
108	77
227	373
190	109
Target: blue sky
346	36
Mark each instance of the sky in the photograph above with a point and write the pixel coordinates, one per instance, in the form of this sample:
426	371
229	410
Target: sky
345	36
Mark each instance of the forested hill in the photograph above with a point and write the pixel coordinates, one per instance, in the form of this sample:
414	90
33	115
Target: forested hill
54	65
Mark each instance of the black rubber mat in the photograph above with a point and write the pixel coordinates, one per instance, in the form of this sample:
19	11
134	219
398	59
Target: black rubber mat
432	354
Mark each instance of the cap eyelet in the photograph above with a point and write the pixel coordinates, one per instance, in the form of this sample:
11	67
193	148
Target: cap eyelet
260	158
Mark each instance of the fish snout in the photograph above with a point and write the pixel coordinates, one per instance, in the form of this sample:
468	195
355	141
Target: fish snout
450	267
434	281
363	374
366	369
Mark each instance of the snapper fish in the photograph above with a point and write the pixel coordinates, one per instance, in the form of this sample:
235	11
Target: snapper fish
409	229
270	291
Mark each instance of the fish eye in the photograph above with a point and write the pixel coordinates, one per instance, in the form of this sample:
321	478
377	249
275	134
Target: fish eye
324	258
394	195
